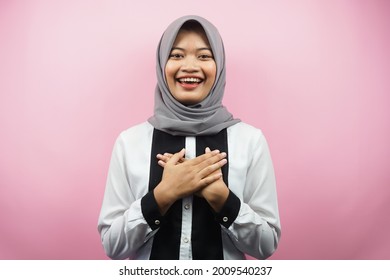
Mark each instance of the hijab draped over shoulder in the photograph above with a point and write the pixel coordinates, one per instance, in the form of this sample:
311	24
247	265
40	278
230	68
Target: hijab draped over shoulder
205	118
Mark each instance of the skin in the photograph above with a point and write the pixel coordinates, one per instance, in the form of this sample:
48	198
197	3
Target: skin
200	176
191	56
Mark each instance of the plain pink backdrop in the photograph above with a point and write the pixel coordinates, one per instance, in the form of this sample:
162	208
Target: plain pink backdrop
313	75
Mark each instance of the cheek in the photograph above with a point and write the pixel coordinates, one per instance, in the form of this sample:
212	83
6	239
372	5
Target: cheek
211	72
170	71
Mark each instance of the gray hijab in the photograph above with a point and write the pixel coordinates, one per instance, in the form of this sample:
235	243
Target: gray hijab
205	118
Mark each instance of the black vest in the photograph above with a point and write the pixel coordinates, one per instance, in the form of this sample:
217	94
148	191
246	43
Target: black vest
206	237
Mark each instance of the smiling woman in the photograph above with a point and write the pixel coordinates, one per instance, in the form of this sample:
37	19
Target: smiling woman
193	182
190	71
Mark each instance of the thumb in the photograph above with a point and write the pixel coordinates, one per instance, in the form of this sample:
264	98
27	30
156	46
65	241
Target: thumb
177	157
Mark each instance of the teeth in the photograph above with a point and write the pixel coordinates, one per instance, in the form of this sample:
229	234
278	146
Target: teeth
190	80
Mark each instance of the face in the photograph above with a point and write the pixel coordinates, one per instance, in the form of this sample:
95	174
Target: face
190	70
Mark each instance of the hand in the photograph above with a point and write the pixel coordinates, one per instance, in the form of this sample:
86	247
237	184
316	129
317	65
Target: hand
215	193
163	159
185	177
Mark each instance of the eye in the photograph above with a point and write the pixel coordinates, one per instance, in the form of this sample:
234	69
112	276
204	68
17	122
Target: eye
205	57
175	56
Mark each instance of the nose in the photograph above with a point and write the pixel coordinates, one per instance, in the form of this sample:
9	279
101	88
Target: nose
190	64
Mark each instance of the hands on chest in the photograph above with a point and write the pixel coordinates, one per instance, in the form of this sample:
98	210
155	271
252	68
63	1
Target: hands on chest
201	176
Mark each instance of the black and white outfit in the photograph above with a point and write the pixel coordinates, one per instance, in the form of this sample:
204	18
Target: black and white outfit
130	223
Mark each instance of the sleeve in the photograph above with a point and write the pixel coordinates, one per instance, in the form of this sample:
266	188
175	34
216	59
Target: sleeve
122	226
252	222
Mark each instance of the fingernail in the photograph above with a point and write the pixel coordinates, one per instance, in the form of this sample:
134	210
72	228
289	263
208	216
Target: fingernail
216	152
223	154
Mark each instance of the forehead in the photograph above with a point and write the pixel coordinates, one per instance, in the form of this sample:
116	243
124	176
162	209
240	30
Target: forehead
186	37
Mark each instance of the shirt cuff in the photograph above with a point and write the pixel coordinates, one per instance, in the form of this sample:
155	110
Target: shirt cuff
150	211
229	211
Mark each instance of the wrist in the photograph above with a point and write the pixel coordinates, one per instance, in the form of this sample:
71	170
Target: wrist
216	197
164	197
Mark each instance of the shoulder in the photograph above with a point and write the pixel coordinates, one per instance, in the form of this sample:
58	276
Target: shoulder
245	137
137	131
244	130
136	135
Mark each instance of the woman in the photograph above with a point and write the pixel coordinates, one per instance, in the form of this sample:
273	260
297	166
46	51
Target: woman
192	182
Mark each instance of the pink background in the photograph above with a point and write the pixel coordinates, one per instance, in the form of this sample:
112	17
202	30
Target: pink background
313	75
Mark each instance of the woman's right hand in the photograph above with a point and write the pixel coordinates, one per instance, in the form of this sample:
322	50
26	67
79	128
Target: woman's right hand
188	177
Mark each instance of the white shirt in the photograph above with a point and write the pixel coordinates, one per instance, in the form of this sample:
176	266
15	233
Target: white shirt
125	233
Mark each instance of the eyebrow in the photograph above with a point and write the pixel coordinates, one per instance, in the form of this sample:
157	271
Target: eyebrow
200	49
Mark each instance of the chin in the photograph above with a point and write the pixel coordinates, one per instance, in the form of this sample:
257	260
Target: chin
188	101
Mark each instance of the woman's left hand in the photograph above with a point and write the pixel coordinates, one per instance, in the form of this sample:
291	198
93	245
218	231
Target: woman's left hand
215	193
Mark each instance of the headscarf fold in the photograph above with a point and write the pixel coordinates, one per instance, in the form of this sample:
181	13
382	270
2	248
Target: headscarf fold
205	118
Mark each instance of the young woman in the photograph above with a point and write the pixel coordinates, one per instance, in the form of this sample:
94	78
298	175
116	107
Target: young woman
192	182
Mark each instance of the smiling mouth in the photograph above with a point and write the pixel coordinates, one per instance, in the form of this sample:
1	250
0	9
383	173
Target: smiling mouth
190	81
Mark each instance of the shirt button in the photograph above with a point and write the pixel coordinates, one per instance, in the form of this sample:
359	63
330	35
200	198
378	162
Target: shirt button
225	219
185	239
157	222
187	206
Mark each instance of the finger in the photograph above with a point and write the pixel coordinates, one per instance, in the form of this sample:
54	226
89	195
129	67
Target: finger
212	168
207	150
162	163
201	158
168	156
210	160
210	179
176	157
163	157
